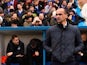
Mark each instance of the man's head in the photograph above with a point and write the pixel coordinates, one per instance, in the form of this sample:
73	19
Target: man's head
41	16
15	39
61	15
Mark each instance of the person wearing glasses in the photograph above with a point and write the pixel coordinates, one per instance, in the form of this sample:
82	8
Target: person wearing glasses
63	40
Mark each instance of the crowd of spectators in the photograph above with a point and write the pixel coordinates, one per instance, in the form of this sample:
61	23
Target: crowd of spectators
36	12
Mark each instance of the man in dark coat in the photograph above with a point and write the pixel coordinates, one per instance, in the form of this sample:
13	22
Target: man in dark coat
63	40
15	51
34	52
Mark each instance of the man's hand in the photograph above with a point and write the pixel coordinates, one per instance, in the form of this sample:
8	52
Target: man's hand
19	55
9	53
36	53
80	53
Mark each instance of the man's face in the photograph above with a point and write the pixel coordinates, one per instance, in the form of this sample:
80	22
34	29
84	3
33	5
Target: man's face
41	16
14	16
16	40
29	20
61	15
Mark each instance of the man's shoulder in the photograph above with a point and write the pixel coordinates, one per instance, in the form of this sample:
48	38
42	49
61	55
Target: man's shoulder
73	27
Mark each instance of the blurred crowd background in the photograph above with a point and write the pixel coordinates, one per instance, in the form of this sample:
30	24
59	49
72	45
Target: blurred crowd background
37	12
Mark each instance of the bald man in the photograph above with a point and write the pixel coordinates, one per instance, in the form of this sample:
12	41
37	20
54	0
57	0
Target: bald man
63	40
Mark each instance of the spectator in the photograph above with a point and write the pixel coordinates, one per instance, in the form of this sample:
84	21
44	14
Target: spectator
15	21
56	3
27	4
48	7
37	22
9	9
20	11
42	18
41	5
69	6
28	21
75	19
32	9
64	4
28	13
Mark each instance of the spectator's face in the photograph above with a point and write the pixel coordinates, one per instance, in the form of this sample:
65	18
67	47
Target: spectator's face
19	6
71	13
29	19
14	16
41	16
29	13
61	15
69	5
64	3
11	7
36	2
50	3
16	40
31	8
2	14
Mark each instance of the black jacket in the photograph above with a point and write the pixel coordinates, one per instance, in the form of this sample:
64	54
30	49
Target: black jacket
30	52
63	42
16	49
